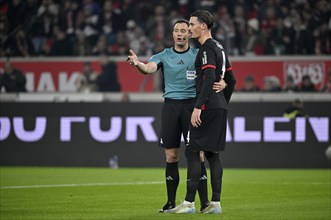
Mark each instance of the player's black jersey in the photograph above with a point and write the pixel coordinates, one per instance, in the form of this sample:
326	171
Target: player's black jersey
211	65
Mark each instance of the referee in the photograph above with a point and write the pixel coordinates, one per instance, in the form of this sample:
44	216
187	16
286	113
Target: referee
177	64
209	117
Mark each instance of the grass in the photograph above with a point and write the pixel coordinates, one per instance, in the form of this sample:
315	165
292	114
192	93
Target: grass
136	194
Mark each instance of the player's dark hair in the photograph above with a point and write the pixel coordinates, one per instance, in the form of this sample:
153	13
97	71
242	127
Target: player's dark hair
180	21
204	17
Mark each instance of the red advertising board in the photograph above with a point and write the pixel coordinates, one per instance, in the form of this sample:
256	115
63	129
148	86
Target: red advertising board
60	74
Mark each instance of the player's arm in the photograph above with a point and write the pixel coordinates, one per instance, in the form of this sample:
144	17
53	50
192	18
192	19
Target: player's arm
205	92
230	81
145	69
207	86
209	77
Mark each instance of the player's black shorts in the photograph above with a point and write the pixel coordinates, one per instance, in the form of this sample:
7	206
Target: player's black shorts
210	135
176	118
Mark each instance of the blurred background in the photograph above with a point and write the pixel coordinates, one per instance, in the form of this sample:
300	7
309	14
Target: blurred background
68	98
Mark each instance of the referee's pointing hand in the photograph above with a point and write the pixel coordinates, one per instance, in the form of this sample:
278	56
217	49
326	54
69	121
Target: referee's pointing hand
132	59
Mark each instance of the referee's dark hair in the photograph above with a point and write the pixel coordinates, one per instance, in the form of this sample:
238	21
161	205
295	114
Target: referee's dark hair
204	17
179	21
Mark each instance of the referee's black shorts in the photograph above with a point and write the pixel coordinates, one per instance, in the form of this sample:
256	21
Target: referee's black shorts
175	121
211	134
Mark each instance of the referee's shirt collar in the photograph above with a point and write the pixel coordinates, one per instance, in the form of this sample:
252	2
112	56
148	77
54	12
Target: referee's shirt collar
179	51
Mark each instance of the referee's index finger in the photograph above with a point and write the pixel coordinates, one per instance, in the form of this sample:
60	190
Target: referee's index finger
132	53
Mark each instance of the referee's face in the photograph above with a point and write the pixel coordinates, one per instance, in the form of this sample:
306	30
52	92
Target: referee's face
195	27
180	34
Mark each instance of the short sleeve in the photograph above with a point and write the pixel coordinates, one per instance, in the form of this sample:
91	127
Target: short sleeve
156	58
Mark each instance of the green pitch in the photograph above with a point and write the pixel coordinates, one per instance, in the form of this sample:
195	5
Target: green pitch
137	194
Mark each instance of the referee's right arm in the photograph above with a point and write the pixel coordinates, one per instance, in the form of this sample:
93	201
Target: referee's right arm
145	69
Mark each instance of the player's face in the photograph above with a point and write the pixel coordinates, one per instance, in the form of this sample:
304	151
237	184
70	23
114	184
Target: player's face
195	27
180	34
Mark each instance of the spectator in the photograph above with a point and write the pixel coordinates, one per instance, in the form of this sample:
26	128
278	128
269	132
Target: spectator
271	84
240	29
101	47
4	28
307	85
121	47
22	46
249	85
290	85
61	45
304	42
129	11
41	27
13	80
81	47
68	16
225	32
48	7
275	44
295	110
87	80
108	26
135	35
156	25
254	42
208	5
107	81
88	23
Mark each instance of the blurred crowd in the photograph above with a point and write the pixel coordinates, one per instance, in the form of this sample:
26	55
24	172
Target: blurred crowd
273	84
111	27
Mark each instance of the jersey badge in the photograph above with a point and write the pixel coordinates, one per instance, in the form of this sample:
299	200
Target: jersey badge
190	74
204	58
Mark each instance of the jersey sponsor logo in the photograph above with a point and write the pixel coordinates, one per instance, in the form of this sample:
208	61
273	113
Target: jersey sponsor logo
204	58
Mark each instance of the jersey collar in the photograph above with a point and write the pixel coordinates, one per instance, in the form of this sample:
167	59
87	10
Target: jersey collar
179	51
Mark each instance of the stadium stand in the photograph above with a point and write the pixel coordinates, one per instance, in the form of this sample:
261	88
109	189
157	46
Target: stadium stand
93	27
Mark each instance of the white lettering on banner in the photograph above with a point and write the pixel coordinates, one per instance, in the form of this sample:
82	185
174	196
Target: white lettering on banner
319	125
105	136
29	136
4	128
30	81
228	133
270	133
321	128
68	85
241	135
145	123
46	82
65	127
300	129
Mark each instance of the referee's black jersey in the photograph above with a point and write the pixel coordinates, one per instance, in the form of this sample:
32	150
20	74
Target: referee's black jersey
211	65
